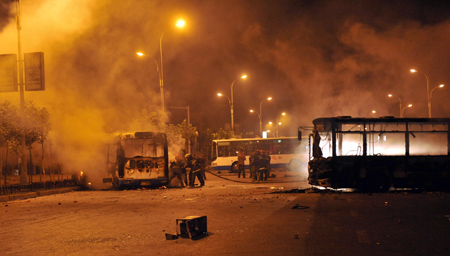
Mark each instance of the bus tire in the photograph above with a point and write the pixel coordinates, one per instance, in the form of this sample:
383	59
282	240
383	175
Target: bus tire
234	167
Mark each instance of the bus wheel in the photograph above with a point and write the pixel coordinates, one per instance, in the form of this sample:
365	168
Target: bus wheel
235	167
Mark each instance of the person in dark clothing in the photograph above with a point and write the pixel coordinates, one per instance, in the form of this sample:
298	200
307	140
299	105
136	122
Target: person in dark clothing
202	163
241	163
195	170
176	171
266	159
251	159
259	166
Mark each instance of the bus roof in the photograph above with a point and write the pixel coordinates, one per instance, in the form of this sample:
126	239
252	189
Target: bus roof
387	119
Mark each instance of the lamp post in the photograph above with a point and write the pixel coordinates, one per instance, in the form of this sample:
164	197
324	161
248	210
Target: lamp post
141	54
260	114
428	91
278	122
232	103
431	93
270	124
401	113
400	101
229	102
179	24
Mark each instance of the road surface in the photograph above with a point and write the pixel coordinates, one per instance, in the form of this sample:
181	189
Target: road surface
243	218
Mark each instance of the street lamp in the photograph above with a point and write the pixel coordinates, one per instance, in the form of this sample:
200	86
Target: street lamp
260	114
179	24
400	101
431	93
232	103
159	67
278	123
141	54
229	102
401	113
428	91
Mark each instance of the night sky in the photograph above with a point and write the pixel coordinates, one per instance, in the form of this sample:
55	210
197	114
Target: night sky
315	58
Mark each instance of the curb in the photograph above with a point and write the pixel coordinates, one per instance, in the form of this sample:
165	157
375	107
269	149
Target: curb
21	196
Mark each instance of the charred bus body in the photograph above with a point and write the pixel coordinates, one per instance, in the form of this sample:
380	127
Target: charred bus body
375	154
138	159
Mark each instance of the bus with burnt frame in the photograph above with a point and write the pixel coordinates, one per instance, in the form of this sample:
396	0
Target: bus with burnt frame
138	159
376	154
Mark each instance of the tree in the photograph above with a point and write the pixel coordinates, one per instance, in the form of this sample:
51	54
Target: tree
35	126
33	123
9	129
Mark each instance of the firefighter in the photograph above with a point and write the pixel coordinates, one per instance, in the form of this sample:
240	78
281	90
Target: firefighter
259	165
251	159
194	170
177	170
202	163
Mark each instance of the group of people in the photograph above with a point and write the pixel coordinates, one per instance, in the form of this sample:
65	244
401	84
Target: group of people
259	164
187	169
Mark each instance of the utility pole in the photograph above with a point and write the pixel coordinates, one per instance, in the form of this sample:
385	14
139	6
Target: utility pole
23	156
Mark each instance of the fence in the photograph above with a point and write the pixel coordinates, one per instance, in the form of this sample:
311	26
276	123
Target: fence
12	185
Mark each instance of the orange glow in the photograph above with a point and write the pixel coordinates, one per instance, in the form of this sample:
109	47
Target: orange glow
180	23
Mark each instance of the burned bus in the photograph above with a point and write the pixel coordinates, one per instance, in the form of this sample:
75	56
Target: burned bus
138	159
376	154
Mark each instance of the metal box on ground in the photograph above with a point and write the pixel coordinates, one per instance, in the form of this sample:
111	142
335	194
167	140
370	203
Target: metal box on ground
192	227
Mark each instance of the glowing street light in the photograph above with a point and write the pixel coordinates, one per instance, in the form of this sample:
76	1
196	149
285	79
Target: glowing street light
260	114
159	67
278	122
141	54
428	91
229	102
401	113
400	101
179	24
232	103
431	94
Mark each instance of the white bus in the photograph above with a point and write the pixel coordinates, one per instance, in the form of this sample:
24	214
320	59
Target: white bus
285	152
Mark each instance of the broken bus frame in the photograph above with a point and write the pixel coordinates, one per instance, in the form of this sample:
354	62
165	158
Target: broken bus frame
375	154
138	159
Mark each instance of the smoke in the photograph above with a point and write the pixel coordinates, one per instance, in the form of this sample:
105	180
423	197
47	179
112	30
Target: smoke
336	61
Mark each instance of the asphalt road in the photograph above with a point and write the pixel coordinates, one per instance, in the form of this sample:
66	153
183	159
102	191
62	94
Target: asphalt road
243	218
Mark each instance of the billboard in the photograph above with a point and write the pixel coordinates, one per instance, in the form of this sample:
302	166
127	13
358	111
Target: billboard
8	73
34	71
